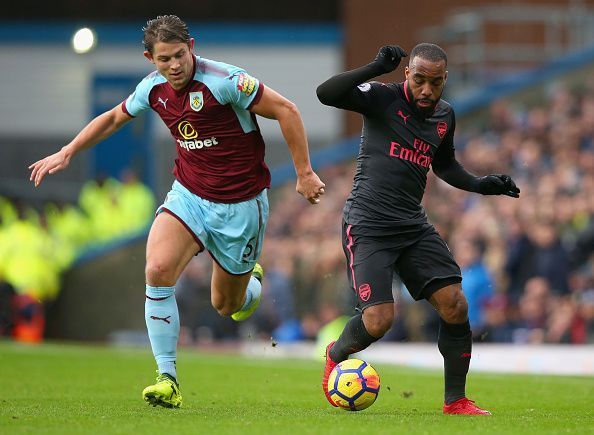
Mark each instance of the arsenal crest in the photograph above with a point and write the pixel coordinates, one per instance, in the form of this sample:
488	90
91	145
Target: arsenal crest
442	128
364	292
196	101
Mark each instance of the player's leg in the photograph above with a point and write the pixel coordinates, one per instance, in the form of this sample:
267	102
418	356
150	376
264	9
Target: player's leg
252	295
362	330
454	338
170	247
370	268
455	344
233	294
235	243
429	271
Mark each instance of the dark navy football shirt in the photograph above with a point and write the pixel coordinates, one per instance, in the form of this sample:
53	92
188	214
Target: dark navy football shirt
398	146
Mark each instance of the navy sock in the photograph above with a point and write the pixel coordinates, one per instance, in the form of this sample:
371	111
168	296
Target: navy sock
354	338
455	344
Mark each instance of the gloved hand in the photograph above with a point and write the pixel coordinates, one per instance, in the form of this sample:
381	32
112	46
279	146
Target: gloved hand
388	58
498	184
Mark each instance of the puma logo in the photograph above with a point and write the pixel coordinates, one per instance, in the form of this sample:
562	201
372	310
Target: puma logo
403	116
164	103
165	319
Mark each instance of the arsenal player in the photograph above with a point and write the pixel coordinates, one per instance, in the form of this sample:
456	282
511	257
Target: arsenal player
407	129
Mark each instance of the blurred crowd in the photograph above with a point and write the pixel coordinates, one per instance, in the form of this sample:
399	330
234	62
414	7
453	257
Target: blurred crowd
528	272
37	244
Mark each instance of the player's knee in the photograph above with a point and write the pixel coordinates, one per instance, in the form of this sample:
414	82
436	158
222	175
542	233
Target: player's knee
378	321
159	273
455	310
226	310
225	306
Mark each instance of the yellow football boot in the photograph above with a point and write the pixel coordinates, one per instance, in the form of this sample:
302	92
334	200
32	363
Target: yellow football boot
164	393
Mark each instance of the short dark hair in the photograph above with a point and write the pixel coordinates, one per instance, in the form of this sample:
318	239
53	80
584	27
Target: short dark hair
428	51
165	28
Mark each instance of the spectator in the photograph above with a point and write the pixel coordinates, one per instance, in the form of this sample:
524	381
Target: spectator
476	282
538	253
533	309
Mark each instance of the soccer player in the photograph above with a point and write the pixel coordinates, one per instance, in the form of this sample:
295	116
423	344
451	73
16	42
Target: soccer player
407	129
218	200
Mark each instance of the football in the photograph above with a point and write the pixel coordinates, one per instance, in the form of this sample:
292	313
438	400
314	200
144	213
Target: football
353	385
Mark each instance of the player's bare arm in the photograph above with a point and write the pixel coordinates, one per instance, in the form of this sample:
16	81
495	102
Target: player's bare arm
272	105
95	131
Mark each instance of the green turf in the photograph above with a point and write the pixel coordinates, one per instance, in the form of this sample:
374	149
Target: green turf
87	390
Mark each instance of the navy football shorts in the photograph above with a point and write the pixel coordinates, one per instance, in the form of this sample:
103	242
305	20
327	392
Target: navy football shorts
420	258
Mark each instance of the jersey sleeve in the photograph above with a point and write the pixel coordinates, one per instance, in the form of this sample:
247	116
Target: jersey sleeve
138	101
240	89
370	98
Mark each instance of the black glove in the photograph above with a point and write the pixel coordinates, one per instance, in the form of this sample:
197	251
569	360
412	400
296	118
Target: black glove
388	58
498	184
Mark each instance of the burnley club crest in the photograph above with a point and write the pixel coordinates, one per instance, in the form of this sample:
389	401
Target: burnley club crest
196	101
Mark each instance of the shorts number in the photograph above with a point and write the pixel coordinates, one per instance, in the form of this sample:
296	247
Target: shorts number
248	251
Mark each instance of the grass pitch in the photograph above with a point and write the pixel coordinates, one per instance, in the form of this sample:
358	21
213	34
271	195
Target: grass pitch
59	389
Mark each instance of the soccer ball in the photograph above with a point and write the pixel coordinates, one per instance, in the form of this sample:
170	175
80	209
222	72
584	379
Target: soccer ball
353	385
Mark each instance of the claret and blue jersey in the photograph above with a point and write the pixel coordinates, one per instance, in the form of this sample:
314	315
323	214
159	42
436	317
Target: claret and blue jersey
220	151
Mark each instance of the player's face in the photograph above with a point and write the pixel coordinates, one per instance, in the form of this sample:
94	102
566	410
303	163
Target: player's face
426	80
174	60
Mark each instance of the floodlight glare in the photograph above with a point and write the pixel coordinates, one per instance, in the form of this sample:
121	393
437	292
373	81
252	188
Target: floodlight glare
83	40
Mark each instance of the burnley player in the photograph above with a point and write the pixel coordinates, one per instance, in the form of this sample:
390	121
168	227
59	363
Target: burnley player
407	128
218	200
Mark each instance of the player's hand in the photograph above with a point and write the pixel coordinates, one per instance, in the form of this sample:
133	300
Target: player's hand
49	165
310	186
498	184
389	57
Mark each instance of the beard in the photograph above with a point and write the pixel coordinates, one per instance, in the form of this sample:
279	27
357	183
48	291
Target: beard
426	111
